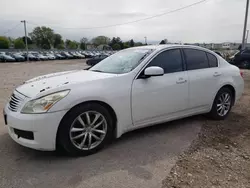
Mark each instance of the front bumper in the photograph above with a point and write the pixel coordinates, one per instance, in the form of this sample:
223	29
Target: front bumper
43	126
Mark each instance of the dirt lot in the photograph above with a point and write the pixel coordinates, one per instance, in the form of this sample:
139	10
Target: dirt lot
220	157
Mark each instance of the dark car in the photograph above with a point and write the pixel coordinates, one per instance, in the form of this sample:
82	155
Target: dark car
93	61
18	57
88	54
59	56
6	58
31	57
67	55
241	59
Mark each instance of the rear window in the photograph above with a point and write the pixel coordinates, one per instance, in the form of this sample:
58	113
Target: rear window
213	62
196	59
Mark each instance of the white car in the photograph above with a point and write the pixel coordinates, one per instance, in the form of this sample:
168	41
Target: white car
83	110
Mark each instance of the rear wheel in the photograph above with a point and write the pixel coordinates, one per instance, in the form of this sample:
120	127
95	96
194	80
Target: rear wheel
86	129
222	104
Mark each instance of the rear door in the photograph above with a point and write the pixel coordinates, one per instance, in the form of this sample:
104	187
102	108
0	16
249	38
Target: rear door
203	76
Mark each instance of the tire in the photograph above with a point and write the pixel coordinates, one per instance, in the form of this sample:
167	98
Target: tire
216	113
67	138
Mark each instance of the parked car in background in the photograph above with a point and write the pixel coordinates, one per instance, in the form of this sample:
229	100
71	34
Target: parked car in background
40	56
83	110
74	55
31	57
59	56
50	56
241	59
80	55
67	55
6	58
93	61
18	57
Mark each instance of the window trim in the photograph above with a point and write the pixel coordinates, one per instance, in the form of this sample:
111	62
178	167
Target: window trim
155	55
185	59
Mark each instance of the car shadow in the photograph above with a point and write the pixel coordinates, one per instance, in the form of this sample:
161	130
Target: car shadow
131	152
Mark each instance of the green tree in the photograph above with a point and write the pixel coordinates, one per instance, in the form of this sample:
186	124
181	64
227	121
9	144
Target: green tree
4	43
61	46
71	44
115	40
19	44
116	46
43	37
57	40
125	45
29	41
83	43
100	40
163	42
131	43
138	44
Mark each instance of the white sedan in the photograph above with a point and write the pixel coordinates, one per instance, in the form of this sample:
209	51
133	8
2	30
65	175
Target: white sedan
82	110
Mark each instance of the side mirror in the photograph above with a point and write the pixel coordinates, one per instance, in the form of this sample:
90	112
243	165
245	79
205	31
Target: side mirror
154	71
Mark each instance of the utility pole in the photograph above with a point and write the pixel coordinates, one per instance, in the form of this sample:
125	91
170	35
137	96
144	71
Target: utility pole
26	42
247	37
245	26
146	40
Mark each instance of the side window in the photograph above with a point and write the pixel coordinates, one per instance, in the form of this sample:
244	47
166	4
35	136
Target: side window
196	59
170	61
213	62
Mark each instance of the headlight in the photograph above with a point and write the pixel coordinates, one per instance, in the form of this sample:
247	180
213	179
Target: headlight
43	104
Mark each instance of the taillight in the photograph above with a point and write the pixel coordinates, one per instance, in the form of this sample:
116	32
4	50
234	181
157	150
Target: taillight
241	73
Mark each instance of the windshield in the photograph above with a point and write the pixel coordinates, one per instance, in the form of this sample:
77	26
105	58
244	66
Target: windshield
122	62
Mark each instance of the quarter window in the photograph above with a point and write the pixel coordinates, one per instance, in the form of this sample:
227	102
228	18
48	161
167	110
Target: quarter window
196	59
212	60
170	61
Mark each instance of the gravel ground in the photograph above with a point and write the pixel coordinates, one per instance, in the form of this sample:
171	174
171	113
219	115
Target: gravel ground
220	156
141	158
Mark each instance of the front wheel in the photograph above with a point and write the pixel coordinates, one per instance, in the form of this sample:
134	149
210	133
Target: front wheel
85	129
222	104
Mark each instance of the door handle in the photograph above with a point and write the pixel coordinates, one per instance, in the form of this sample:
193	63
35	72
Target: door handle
181	81
217	74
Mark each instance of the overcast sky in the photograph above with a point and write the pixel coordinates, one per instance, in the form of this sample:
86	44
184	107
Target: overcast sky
211	21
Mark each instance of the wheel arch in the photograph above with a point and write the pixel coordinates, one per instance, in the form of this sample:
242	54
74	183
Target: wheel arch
104	104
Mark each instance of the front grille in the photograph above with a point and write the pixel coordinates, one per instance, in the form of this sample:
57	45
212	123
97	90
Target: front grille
15	102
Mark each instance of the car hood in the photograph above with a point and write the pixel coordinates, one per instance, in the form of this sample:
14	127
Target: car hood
37	85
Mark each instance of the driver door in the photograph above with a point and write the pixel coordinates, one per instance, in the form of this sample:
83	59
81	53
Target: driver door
159	98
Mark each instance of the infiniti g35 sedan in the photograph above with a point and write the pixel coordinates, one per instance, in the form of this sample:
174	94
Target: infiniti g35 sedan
82	110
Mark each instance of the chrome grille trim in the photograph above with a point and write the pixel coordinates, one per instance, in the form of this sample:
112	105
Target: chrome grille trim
16	101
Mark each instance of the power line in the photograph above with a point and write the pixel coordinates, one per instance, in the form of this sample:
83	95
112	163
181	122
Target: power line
135	21
9	30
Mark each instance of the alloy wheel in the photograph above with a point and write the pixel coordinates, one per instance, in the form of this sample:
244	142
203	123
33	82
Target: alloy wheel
223	104
88	130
